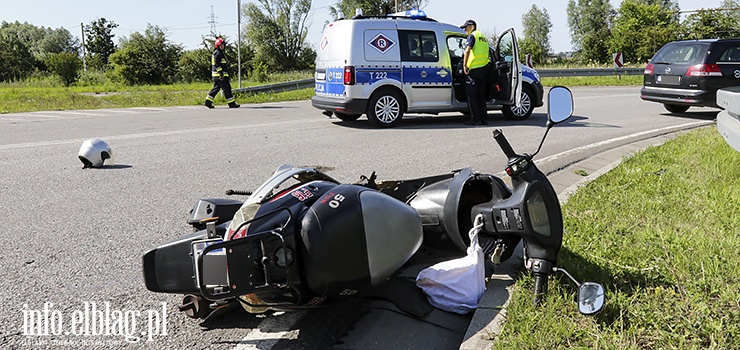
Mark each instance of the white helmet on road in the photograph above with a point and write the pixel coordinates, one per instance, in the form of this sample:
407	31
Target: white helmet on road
94	152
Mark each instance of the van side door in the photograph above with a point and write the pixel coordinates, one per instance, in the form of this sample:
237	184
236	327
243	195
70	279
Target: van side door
427	78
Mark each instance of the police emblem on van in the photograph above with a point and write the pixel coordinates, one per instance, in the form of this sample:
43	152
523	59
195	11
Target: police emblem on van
381	43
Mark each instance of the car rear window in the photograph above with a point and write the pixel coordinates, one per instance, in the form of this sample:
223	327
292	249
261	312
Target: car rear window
731	54
681	53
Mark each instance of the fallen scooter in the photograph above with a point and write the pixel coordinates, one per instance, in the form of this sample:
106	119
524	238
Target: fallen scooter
303	238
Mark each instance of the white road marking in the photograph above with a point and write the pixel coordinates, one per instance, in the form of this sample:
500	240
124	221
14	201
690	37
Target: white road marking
161	133
622	138
83	113
46	116
274	328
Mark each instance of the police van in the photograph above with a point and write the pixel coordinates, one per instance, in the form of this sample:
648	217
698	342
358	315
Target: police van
385	67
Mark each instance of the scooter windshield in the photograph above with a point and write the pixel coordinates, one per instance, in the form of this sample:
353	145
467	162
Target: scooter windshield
279	180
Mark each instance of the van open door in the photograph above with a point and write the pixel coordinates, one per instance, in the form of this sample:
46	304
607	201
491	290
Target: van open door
508	50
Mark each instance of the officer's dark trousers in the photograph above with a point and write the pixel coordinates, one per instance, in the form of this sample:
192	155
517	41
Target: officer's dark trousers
219	85
475	87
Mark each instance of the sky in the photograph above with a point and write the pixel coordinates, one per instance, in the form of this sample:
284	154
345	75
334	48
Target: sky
187	21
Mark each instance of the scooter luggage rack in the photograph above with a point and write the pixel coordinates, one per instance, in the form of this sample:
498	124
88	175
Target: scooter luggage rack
243	267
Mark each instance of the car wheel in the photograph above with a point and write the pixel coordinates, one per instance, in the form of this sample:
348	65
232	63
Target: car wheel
385	109
524	110
675	108
346	117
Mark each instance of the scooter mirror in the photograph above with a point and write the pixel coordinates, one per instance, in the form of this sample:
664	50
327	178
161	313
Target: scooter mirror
559	104
590	298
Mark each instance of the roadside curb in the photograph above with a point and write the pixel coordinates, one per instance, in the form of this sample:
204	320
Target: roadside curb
487	322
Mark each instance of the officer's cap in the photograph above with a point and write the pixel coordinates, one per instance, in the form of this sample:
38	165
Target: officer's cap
468	23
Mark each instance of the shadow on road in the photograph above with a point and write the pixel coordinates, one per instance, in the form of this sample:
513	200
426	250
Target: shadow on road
698	115
494	120
115	167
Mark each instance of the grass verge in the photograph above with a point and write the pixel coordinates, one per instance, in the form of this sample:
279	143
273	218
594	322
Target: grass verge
624	80
30	99
45	94
660	232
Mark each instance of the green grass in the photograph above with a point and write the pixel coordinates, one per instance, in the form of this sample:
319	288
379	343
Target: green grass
45	94
661	233
624	80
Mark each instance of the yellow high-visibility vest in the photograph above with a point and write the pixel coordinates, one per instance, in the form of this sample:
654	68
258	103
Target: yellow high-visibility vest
478	56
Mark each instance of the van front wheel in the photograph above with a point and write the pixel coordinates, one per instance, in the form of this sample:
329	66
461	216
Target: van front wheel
524	109
385	109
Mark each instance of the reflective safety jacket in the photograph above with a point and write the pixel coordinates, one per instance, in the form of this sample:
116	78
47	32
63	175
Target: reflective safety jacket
218	64
478	56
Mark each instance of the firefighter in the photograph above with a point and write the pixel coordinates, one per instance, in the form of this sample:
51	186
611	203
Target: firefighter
220	76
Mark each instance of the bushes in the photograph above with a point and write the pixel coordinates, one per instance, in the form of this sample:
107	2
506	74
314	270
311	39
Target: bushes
66	65
193	66
147	58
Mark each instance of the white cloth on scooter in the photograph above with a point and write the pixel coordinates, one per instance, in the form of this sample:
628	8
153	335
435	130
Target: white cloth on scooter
457	285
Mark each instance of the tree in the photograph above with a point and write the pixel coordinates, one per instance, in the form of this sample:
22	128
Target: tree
711	23
99	42
536	39
733	8
589	22
66	65
346	8
41	42
276	31
16	61
641	27
148	58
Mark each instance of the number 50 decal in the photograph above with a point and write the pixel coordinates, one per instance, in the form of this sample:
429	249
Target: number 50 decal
334	203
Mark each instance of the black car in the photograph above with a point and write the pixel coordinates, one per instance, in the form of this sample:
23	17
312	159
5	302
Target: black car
689	73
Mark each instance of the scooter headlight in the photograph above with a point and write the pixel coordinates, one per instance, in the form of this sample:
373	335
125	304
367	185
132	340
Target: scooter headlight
538	218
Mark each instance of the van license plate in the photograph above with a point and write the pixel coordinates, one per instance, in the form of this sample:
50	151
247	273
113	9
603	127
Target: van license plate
669	79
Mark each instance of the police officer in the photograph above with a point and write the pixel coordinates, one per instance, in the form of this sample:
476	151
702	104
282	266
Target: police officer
477	69
220	76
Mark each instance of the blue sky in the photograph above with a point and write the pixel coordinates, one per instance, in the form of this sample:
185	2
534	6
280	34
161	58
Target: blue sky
187	20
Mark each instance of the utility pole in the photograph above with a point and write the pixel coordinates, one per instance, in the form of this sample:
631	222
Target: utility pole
239	39
84	58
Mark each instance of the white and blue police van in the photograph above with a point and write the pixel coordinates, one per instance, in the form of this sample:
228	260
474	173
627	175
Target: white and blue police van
385	67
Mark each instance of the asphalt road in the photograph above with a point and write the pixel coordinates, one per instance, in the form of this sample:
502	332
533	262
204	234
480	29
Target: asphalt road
75	237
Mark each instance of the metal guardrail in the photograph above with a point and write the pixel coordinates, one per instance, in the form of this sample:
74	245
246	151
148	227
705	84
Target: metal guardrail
728	121
589	72
278	87
547	73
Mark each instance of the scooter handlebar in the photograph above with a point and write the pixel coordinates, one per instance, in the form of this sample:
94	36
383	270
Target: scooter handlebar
498	135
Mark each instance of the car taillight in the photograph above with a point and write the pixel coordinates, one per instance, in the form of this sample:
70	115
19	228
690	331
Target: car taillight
349	75
704	70
649	68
